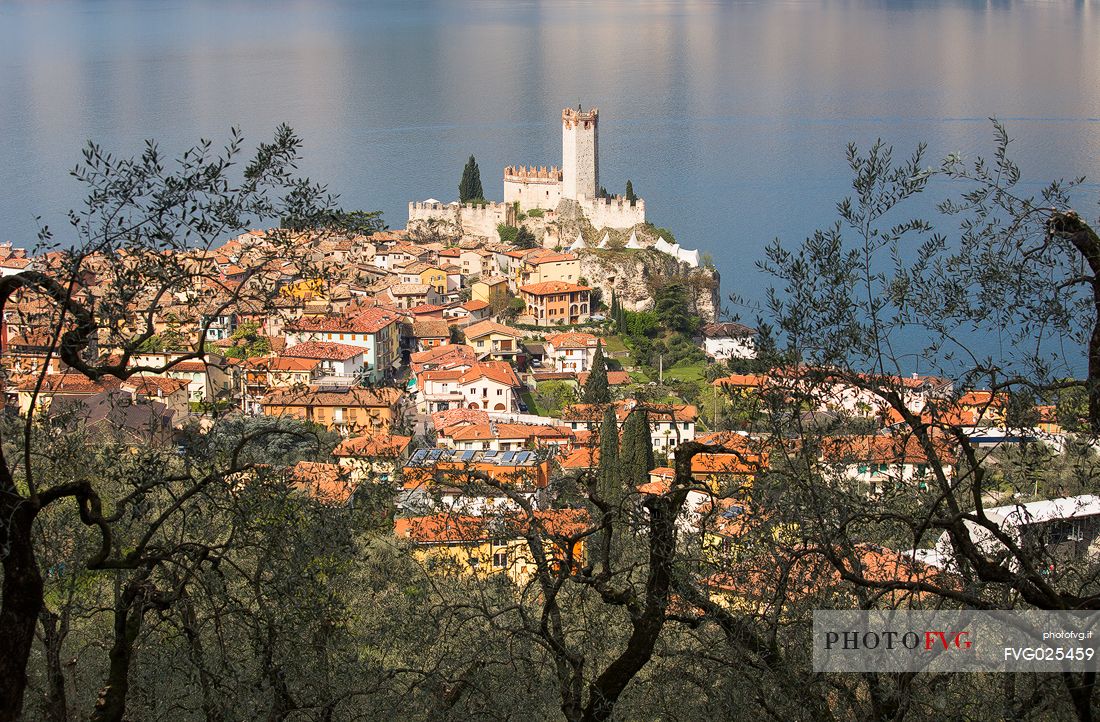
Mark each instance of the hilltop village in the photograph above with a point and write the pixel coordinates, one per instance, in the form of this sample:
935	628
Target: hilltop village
494	338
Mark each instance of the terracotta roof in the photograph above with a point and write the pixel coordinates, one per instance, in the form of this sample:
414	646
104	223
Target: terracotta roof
448	355
657	412
499	371
410	289
572	339
727	464
324	482
453	417
580	459
281	363
475	305
154	385
527	432
70	382
373	446
188	367
370	319
614	378
352	396
448	528
551	258
753	381
327	350
804	574
548	287
880	449
431	328
425	308
442	528
482	328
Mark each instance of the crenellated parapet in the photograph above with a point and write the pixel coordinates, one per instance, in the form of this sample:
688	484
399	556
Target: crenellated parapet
532	174
475	219
572	117
613	211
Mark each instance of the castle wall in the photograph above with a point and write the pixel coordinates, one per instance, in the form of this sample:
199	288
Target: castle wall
580	153
613	212
475	220
532	193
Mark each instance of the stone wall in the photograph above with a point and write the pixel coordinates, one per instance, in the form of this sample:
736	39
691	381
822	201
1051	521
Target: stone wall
474	220
613	212
532	187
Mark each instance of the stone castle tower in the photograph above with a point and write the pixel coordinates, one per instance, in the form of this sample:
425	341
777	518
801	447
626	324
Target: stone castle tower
580	164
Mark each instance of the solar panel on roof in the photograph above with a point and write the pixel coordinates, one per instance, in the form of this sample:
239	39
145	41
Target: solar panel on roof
435	454
489	454
522	457
507	457
467	455
419	454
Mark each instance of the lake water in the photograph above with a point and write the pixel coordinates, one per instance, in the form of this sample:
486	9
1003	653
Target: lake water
731	118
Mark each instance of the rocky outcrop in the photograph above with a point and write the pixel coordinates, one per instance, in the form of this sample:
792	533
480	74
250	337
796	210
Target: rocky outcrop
634	277
632	274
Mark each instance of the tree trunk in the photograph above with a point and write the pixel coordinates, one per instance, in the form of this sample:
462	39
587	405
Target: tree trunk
1068	225
1080	690
211	708
57	708
129	611
22	596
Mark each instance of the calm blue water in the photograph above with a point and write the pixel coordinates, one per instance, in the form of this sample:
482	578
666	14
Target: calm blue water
731	118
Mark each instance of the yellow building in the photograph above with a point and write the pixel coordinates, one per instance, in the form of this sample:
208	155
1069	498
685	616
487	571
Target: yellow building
493	290
547	266
305	289
349	411
493	340
436	278
455	544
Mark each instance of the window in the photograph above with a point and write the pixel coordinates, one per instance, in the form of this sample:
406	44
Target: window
500	559
500	392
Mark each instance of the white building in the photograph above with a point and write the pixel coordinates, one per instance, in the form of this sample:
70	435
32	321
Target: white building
725	341
578	179
1048	531
571	352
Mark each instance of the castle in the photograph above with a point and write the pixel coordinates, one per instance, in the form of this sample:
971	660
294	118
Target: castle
577	180
530	188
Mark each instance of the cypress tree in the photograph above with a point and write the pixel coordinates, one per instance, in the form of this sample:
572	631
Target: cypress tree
636	458
630	197
608	478
470	187
596	388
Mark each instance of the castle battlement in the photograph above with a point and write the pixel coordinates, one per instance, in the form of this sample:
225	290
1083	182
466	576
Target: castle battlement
609	201
532	174
574	116
490	208
475	219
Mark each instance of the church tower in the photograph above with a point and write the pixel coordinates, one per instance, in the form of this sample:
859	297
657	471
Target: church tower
580	153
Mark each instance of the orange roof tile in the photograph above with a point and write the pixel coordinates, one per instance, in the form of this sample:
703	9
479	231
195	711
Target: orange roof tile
324	482
483	328
326	350
547	287
372	446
